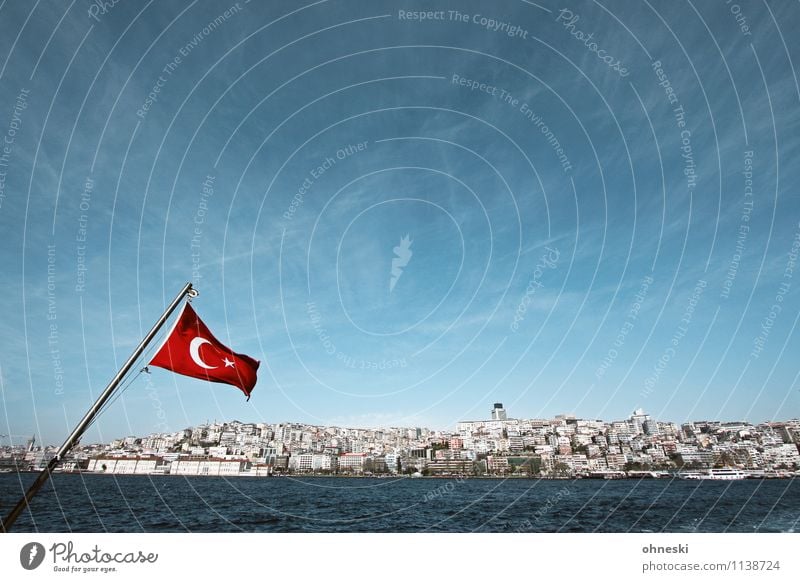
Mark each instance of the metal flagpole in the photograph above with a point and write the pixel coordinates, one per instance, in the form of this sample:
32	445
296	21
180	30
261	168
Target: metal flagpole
73	438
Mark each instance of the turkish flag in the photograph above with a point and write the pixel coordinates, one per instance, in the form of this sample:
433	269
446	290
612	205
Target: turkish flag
191	350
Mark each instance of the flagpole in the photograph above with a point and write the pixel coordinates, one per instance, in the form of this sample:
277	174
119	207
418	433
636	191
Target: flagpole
76	434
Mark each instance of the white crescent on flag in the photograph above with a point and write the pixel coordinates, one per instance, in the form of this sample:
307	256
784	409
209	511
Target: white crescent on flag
194	352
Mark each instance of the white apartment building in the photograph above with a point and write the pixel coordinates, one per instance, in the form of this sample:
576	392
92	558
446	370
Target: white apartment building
323	462
352	462
124	465
782	454
207	467
391	462
498	464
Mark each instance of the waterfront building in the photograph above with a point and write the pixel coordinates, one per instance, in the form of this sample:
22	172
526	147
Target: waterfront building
301	463
352	462
450	467
323	462
208	466
38	459
496	464
391	460
124	465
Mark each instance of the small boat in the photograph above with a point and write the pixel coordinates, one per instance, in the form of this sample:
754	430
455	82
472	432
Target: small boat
608	475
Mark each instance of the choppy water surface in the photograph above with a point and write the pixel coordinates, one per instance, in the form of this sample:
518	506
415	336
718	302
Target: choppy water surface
97	503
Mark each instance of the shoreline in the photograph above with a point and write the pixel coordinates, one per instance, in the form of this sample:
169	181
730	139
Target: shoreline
664	477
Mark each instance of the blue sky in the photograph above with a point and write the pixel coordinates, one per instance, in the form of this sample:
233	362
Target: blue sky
599	200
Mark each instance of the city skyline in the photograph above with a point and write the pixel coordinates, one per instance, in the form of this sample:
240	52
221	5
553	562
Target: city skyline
559	448
490	417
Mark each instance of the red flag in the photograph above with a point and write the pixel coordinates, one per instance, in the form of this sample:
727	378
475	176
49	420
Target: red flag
191	350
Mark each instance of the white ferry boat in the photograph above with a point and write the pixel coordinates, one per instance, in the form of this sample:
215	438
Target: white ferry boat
727	474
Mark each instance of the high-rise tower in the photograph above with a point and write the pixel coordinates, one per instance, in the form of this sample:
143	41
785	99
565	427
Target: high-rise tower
498	412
